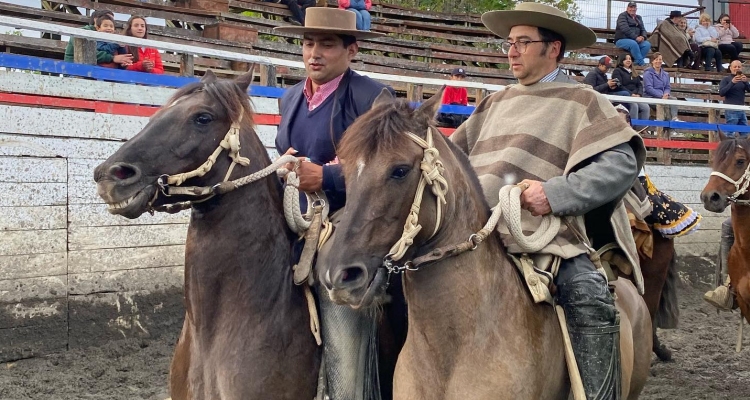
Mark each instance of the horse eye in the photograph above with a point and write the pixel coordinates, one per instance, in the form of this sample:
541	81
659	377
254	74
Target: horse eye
203	119
400	172
741	162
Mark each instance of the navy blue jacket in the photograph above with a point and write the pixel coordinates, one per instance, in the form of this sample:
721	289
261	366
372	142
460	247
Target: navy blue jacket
353	97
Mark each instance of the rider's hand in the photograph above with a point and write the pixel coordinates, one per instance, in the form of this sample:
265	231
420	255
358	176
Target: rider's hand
533	198
310	176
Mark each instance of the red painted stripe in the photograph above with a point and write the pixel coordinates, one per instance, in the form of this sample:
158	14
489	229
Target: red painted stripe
679	144
105	107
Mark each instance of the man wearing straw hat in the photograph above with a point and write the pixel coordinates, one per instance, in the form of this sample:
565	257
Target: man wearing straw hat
576	158
314	115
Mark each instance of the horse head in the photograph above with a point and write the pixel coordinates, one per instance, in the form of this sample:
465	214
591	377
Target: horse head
730	178
402	186
181	142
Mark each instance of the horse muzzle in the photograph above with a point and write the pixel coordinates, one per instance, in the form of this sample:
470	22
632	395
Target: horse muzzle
714	201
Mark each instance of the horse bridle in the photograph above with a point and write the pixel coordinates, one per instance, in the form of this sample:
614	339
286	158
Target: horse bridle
741	186
433	176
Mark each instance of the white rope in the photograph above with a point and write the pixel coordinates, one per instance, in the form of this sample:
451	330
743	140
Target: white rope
509	206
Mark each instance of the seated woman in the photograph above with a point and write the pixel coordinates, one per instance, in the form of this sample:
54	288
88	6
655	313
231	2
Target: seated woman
633	83
727	34
145	59
656	85
694	48
708	38
106	24
361	8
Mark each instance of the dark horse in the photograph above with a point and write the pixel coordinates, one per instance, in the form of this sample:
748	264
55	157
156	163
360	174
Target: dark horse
728	185
474	330
660	284
246	333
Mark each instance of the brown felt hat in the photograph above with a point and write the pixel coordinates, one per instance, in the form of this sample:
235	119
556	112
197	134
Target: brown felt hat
543	16
329	20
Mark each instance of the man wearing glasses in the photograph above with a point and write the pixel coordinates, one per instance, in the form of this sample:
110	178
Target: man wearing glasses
630	34
576	157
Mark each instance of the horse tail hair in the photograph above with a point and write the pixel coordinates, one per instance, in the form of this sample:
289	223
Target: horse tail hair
668	314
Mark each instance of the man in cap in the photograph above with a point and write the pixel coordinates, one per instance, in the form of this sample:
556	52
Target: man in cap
454	96
314	115
631	34
599	81
576	158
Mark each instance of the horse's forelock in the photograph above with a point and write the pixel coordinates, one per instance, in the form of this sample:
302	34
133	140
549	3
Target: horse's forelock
382	130
727	148
224	92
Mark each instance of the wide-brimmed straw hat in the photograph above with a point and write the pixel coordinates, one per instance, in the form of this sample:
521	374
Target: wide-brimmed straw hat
543	16
329	20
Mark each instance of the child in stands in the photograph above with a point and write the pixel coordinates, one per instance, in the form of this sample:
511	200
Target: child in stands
145	59
106	24
455	96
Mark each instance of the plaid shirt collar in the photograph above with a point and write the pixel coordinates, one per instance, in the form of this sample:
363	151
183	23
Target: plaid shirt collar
316	99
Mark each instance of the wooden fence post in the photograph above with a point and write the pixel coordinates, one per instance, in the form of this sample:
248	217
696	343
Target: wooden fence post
664	155
187	66
414	92
268	75
479	95
84	51
713	118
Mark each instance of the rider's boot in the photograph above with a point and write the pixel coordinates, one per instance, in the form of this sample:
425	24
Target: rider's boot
594	327
722	297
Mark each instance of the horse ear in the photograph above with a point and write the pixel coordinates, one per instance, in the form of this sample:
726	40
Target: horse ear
431	107
208	77
244	80
722	136
384	97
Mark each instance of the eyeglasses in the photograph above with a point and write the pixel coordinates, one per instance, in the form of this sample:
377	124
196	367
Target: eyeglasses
520	45
726	20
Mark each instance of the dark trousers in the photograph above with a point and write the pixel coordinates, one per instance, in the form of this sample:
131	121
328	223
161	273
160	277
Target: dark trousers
298	7
710	53
732	50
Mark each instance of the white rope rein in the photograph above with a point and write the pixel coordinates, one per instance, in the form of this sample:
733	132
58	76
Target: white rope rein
432	175
509	207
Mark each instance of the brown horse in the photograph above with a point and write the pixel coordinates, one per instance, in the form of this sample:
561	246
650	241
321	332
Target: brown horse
474	330
728	185
246	333
660	289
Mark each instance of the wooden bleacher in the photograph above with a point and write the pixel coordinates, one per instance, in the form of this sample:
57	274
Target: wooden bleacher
427	43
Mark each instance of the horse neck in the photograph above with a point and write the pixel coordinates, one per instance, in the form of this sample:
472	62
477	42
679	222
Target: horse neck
467	291
740	219
238	247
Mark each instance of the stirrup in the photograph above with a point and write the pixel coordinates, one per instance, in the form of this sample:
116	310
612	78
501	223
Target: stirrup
721	298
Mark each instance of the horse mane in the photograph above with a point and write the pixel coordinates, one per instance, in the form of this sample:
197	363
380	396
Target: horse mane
222	91
727	148
383	129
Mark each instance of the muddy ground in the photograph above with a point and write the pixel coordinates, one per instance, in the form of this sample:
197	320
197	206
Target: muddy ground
705	364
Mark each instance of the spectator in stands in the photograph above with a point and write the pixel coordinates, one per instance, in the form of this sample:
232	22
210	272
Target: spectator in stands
633	83
106	24
656	85
670	40
708	38
361	8
728	32
631	34
101	56
689	33
454	96
145	59
314	115
599	81
298	8
733	88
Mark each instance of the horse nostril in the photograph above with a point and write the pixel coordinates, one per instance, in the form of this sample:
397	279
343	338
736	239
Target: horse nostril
350	277
351	274
714	197
122	171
